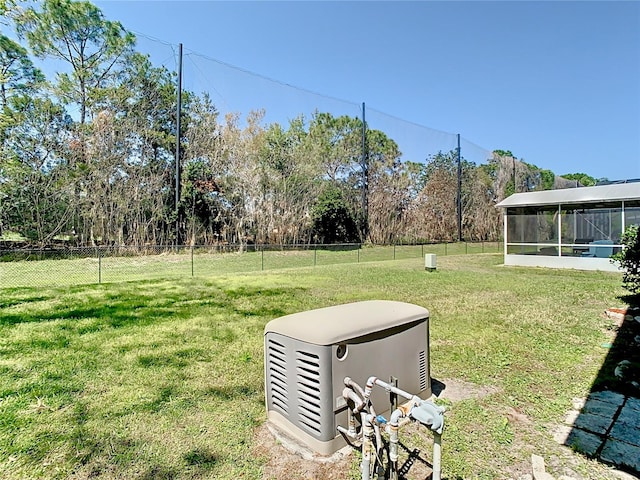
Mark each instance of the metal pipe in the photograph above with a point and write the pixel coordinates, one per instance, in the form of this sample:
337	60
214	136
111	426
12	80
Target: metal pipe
349	394
394	426
353	432
358	390
343	430
353	385
380	445
393	450
437	456
458	195
393	445
371	425
178	115
367	444
365	179
389	388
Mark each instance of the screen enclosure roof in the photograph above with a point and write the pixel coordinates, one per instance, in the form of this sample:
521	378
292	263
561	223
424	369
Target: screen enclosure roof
598	194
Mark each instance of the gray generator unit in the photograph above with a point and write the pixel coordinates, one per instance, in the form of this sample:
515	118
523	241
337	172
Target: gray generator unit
308	355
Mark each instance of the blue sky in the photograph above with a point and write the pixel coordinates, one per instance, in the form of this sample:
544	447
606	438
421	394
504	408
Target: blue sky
557	83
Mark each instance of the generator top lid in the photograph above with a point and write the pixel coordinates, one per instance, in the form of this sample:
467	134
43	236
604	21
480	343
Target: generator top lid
331	325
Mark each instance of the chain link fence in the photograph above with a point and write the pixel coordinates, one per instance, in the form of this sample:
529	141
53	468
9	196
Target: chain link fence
77	266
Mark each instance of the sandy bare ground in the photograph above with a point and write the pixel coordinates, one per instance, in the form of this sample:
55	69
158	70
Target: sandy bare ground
285	460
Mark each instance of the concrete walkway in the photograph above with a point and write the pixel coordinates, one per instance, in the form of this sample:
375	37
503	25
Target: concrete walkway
605	426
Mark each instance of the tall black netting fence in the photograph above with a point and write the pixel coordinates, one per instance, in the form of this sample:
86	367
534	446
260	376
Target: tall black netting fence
262	162
235	90
396	177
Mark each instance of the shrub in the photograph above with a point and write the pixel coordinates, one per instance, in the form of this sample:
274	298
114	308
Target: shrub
332	219
629	258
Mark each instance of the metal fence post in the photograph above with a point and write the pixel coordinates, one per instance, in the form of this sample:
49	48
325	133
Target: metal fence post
394	251
99	266
445	248
191	260
262	257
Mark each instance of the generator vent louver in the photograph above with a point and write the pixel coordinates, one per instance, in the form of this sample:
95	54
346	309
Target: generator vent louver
278	375
309	392
422	370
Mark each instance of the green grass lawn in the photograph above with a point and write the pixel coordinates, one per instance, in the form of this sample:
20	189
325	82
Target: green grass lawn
86	266
163	378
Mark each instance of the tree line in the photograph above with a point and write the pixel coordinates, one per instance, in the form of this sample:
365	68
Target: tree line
89	156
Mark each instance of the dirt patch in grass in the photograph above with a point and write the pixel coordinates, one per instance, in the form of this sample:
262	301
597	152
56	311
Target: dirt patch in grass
455	390
281	462
285	461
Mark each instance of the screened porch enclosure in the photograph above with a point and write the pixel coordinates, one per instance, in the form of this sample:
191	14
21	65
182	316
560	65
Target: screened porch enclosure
572	231
573	228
